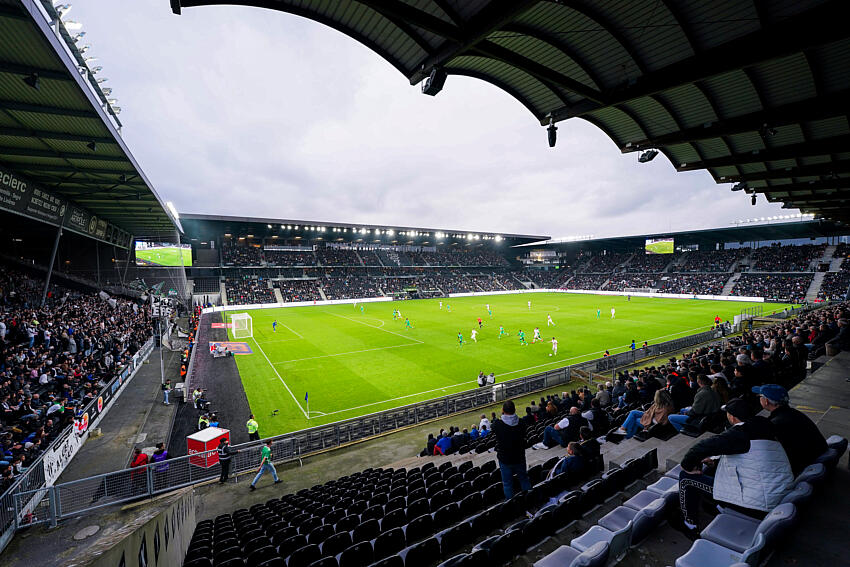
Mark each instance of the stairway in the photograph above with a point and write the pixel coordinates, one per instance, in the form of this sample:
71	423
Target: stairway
727	289
674	261
814	289
277	295
745	260
223	293
322	293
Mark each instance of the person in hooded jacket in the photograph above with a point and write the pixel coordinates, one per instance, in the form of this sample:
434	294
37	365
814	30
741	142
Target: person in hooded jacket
510	449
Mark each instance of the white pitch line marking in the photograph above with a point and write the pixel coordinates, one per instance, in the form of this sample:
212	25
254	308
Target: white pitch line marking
292	331
374	327
343	353
280	378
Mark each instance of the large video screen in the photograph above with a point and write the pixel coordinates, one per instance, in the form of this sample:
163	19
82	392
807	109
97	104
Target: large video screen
659	246
163	254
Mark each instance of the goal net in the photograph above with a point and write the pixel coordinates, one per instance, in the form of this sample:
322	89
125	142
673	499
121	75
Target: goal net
243	327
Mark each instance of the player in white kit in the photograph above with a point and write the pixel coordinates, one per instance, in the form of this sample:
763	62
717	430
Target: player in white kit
441	305
536	336
613	312
529	305
474	335
554	346
549	321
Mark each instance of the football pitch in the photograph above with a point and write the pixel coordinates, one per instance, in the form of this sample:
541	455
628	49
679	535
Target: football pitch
165	256
349	362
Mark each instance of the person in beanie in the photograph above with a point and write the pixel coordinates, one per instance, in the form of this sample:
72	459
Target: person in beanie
510	449
225	454
265	464
800	437
752	475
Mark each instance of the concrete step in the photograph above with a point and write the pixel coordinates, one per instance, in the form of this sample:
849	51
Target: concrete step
815	286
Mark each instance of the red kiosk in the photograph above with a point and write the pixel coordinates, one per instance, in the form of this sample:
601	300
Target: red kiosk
205	440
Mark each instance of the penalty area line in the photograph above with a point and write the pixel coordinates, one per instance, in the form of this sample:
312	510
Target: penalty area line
343	353
280	378
374	327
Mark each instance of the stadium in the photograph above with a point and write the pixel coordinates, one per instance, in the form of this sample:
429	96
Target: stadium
261	389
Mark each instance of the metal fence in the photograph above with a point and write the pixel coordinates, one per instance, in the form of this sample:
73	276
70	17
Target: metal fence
27	500
74	498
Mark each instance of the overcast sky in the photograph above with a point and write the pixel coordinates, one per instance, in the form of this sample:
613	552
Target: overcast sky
243	111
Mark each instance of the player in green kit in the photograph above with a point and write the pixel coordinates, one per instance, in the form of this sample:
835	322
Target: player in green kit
502	332
407	323
459	339
521	336
362	310
598	313
448	308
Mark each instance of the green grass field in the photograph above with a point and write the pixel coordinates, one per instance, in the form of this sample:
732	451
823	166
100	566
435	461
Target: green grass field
166	256
354	363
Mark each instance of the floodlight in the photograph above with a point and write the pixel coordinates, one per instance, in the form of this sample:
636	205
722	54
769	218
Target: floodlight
71	25
83	49
112	101
435	81
63	9
79	36
96	70
101	80
92	146
767	131
33	81
498	238
106	91
739	186
647	156
753	200
116	110
552	132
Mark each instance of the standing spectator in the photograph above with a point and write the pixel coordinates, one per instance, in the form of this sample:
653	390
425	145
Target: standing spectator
160	471
510	449
800	437
225	454
265	465
253	428
166	391
138	476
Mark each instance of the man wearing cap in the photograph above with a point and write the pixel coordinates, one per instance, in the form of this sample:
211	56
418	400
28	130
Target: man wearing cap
799	436
752	474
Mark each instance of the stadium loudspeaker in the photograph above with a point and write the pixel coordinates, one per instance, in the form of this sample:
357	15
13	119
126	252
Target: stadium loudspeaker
175	6
552	134
435	81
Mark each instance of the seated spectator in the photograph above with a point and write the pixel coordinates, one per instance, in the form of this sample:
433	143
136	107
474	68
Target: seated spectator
661	408
800	437
573	463
706	402
443	446
563	432
753	473
596	417
603	394
590	447
680	392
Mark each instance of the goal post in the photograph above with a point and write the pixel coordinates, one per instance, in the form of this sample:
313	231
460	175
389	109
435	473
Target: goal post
243	327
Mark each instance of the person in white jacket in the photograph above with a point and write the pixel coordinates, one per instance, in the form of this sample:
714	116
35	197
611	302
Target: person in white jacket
752	474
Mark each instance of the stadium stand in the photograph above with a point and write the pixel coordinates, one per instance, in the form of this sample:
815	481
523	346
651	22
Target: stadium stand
648	263
248	291
605	263
586	281
773	287
298	290
785	258
56	358
289	258
694	283
328	256
350	287
711	260
623	281
241	254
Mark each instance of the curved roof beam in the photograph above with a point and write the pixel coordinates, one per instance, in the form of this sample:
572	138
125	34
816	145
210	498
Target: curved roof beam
824	146
817	169
176	6
504	86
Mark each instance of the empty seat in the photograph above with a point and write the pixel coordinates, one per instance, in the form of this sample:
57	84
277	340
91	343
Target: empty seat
304	556
418	528
674	472
365	531
704	553
446	515
453	538
618	541
320	534
335	544
566	556
289	545
838	443
642	499
421	554
829	458
416	494
738	533
813	474
394	519
493	494
664	486
439	499
372	513
389	543
323	562
470	504
417	508
643	521
357	555
391	561
347	524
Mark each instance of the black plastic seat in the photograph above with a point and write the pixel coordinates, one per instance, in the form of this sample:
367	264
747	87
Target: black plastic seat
366	531
357	555
397	503
389	543
394	519
320	534
453	538
372	513
304	556
422	554
334	545
287	546
493	494
439	499
417	508
446	515
391	561
347	524
325	562
418	528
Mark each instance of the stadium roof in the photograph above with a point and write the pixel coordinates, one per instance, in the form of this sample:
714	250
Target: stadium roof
754	92
767	232
194	227
58	129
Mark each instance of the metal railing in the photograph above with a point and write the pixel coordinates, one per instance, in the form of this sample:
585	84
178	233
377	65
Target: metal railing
77	497
24	502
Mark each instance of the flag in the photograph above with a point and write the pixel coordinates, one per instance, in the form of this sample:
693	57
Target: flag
306	394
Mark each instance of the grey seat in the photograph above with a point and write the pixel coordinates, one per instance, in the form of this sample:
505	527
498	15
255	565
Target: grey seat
704	553
618	541
738	534
665	485
566	556
813	474
829	458
800	495
641	500
643	521
838	443
674	472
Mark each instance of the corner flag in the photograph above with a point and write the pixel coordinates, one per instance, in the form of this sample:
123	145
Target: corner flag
307	399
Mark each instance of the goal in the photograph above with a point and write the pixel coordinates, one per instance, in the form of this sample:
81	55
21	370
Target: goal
243	327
